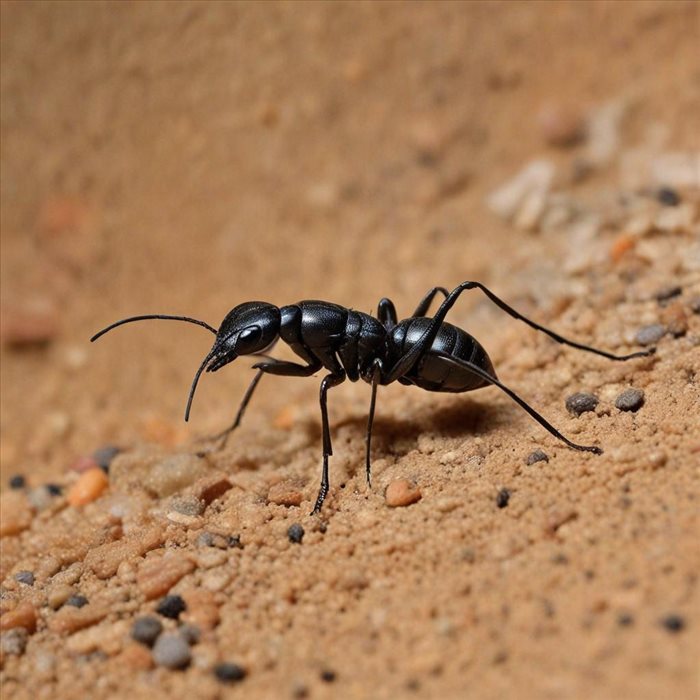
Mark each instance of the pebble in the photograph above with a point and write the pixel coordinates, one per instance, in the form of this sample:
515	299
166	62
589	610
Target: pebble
175	473
188	506
328	676
695	305
104	455
30	323
669	292
172	651
146	630
648	335
54	489
15	513
673	623
24	615
675	319
400	493
580	403
503	498
209	489
295	533
158	575
630	400
17	482
26	577
40	498
88	487
285	493
171	606
202	609
668	197
534	179
70	618
560	125
190	633
13	642
228	672
59	594
536	456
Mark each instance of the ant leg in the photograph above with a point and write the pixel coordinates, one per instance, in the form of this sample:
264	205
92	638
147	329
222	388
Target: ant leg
405	363
223	436
386	313
427	300
465	364
328	381
376	376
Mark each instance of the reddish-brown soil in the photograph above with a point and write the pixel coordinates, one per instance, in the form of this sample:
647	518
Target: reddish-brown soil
184	157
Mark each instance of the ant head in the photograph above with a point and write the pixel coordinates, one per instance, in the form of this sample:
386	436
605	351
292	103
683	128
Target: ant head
249	328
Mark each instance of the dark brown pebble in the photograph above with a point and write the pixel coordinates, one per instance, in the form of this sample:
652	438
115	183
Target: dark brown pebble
295	533
503	498
668	197
171	606
234	542
625	620
695	305
673	623
17	482
190	633
228	672
536	456
580	403
630	400
328	676
669	292
648	335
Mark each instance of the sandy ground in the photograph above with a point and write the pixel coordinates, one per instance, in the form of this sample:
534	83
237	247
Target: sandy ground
183	158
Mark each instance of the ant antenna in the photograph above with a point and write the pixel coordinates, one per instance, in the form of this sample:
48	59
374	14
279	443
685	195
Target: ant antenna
194	384
151	316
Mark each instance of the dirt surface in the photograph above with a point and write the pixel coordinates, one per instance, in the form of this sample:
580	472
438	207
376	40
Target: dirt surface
183	158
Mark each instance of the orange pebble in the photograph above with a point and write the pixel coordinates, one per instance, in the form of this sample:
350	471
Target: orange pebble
620	246
88	487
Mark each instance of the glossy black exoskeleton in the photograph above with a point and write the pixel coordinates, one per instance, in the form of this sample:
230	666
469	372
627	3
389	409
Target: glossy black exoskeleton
422	350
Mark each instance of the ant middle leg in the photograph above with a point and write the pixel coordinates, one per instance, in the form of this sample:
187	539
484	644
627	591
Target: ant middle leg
330	380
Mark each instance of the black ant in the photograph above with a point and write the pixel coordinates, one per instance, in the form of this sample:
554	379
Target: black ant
423	351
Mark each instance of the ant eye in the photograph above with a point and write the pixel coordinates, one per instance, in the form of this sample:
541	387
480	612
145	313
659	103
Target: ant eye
248	333
248	339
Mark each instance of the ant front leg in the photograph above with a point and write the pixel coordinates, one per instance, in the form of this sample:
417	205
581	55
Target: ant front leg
386	313
328	381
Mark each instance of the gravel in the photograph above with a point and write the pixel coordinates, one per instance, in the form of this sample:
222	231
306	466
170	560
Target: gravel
14	641
26	577
104	456
17	482
648	335
146	630
503	498
673	623
630	400
580	403
328	676
172	651
77	601
536	456
171	606
190	633
228	672
295	533
669	292
668	197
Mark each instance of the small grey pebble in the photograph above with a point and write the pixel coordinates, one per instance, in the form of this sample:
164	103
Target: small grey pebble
536	456
77	601
579	403
630	400
104	456
17	482
295	533
228	672
14	641
172	651
648	335
205	539
190	633
40	498
668	197
188	506
26	577
673	623
146	630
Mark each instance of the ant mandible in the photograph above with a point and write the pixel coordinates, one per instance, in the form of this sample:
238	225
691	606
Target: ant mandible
423	351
